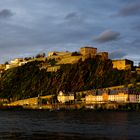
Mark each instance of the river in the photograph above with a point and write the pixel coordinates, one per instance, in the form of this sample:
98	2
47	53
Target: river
74	125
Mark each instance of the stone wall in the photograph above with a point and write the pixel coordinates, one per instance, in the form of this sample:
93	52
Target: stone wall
30	101
88	52
122	64
103	55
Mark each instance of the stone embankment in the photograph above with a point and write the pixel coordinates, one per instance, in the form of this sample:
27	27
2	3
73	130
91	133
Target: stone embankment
80	106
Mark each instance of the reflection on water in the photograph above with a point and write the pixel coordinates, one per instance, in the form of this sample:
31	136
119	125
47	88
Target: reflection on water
74	125
53	136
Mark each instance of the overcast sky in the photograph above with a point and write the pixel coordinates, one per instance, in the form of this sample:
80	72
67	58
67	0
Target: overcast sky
29	27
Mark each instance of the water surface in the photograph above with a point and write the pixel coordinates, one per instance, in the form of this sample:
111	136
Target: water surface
75	125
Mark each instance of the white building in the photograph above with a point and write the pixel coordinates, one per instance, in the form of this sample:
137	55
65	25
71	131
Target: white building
90	99
16	61
134	98
63	98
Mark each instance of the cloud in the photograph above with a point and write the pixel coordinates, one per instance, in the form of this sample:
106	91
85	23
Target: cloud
5	13
54	25
130	9
117	55
72	15
106	36
137	28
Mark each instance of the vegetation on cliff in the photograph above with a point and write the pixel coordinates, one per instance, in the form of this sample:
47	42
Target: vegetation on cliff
29	81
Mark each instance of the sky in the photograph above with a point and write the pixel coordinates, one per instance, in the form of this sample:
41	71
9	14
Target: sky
29	27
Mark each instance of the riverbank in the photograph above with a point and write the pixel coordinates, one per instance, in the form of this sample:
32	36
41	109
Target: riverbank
83	107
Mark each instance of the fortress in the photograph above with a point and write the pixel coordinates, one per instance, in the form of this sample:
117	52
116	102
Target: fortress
59	58
85	53
74	57
124	64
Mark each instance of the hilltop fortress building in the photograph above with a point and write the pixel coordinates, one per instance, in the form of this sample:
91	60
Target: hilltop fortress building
124	64
88	52
73	57
58	58
85	53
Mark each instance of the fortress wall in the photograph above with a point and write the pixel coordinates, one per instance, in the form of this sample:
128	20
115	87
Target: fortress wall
122	64
104	55
88	51
70	60
30	101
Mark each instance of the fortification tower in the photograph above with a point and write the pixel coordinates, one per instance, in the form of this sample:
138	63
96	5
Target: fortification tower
123	64
103	55
88	52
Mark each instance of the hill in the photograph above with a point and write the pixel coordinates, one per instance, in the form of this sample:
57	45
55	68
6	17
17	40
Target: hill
30	81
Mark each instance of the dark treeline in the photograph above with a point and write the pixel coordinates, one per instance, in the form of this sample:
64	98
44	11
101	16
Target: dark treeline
29	81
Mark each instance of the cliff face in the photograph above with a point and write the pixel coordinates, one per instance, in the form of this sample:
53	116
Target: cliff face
29	81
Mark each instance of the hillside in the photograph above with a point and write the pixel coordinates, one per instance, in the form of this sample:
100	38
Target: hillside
29	81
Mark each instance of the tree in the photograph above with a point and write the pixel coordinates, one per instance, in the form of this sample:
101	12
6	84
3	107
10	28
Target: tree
6	63
52	62
40	55
75	54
